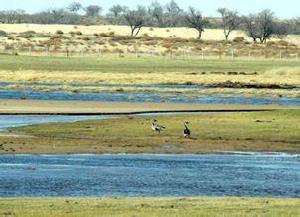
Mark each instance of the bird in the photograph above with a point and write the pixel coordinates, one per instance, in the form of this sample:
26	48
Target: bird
186	132
156	127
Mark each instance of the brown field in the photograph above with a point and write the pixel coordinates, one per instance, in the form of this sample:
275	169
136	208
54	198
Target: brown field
174	42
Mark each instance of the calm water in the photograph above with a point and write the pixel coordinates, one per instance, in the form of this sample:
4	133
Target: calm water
7	121
146	97
150	175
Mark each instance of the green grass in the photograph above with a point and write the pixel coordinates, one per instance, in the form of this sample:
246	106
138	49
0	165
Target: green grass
149	207
153	64
212	132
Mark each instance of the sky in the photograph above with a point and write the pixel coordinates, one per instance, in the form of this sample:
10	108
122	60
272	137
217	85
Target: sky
283	9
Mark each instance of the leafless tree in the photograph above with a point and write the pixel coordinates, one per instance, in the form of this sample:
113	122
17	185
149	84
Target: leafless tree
173	13
195	20
74	7
136	20
93	10
230	21
251	27
117	10
265	24
156	11
262	26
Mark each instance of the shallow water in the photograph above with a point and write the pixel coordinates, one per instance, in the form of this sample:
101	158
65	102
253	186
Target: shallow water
150	175
146	97
8	121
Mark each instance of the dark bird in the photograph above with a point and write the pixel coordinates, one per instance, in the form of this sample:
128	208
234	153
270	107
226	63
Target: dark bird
186	132
156	127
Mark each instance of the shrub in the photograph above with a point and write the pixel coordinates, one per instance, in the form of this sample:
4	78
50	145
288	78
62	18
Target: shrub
28	34
111	34
78	33
238	39
86	38
3	33
59	32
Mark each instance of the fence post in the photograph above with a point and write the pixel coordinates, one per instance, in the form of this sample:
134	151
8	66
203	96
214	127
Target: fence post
280	54
67	52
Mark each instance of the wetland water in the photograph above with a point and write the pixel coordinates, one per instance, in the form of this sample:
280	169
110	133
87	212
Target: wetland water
7	121
146	97
150	175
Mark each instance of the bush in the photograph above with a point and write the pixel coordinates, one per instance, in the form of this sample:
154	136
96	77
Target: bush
59	32
3	33
78	33
86	38
28	34
238	39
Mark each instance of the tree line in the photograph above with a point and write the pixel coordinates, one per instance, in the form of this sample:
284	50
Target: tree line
259	26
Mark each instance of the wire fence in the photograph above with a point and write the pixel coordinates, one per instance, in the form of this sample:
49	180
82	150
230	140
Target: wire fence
229	54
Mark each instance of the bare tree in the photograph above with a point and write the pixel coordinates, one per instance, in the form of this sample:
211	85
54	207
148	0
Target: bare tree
230	21
265	25
262	26
195	20
117	10
93	10
173	13
74	7
136	20
156	11
251	27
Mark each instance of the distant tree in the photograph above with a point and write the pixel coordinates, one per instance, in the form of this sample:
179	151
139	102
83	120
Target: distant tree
93	10
173	12
156	11
251	27
230	21
136	20
117	10
74	7
195	20
12	16
58	16
262	26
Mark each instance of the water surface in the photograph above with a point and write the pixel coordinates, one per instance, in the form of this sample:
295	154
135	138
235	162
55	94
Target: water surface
150	175
147	97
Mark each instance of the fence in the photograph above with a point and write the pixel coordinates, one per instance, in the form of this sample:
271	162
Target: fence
171	54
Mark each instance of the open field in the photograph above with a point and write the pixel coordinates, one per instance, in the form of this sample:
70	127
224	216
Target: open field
174	42
273	78
183	32
125	207
268	131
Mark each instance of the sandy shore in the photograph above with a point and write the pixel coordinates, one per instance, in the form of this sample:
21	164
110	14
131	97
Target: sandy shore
91	108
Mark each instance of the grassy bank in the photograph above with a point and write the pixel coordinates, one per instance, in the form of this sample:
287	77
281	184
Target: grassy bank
82	207
134	65
211	132
262	78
